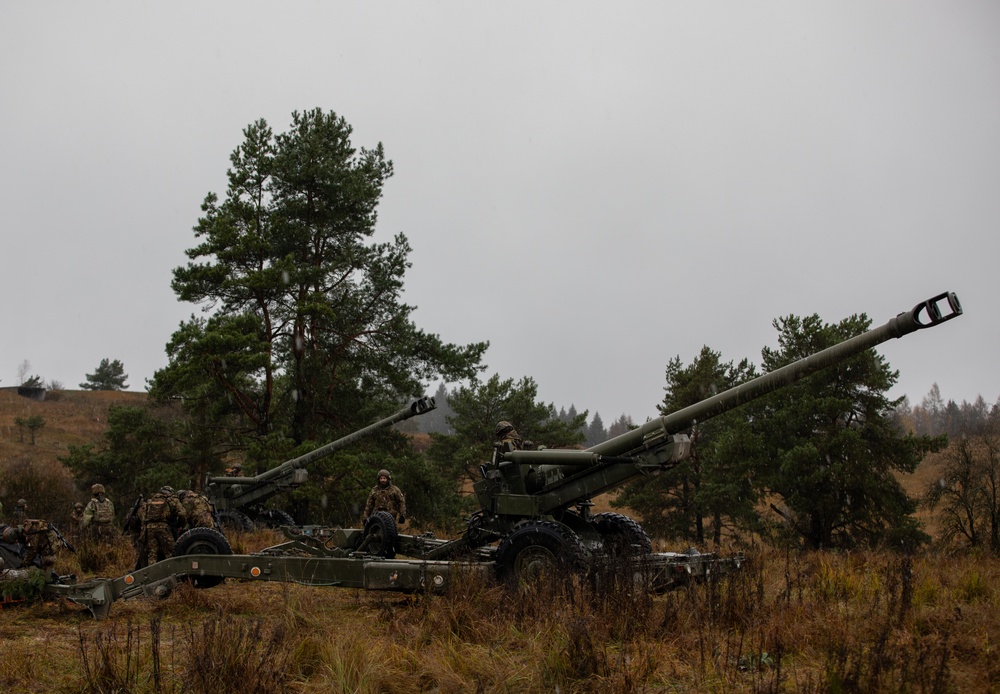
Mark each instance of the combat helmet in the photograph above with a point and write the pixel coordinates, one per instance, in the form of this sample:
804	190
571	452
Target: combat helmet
385	473
97	489
166	489
503	426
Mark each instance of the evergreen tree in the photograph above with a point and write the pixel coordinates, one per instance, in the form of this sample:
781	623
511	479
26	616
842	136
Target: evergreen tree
596	433
827	445
620	426
477	409
713	483
109	375
306	337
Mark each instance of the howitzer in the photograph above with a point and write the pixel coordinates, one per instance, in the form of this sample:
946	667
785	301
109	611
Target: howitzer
536	502
235	496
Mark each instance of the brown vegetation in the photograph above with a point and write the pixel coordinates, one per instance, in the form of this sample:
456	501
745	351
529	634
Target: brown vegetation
818	621
786	622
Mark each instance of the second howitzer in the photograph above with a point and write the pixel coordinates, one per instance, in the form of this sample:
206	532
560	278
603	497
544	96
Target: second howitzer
235	496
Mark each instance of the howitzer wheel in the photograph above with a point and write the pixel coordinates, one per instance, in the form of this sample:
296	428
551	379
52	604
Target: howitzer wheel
621	534
202	541
539	548
274	518
380	535
235	521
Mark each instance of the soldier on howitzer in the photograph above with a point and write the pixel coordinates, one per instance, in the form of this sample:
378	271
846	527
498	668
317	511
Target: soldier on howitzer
99	515
385	496
507	439
159	515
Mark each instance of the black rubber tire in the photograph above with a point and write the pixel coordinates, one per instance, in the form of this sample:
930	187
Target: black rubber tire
274	518
235	521
621	534
202	541
380	535
536	548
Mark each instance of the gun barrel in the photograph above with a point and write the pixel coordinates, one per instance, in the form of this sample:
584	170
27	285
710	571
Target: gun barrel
417	407
926	314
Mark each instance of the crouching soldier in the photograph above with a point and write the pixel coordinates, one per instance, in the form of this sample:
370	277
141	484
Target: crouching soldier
197	509
41	543
159	515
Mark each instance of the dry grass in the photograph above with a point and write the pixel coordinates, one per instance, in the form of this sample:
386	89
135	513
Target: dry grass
787	622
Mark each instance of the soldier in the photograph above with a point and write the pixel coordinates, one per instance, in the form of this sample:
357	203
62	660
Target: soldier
41	543
20	512
99	515
385	496
507	437
76	516
197	508
159	514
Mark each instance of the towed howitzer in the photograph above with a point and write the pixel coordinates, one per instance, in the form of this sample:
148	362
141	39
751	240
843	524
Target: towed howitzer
536	502
233	497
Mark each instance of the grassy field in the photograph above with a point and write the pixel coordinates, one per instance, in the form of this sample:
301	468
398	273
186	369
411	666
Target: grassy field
796	622
787	622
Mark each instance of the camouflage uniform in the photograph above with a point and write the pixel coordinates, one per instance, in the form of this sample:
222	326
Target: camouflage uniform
507	437
76	516
20	512
99	515
158	514
197	509
41	544
385	496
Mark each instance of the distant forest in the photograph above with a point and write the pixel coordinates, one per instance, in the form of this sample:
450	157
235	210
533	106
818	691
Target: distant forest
931	416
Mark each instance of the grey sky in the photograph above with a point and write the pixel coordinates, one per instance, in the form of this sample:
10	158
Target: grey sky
592	187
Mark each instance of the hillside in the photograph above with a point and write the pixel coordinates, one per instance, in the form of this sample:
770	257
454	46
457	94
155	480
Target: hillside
71	418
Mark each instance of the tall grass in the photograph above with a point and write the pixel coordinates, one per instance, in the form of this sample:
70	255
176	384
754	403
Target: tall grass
811	622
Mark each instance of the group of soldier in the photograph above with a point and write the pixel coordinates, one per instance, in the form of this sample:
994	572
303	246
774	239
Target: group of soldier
154	523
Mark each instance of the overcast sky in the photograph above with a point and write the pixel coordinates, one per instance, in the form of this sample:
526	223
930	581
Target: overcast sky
594	188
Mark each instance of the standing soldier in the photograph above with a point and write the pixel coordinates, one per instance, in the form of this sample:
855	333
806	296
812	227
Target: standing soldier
158	514
197	509
385	496
75	521
99	515
21	512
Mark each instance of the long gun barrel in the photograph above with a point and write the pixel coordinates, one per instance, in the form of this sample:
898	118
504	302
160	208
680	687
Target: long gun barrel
924	315
244	491
562	477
